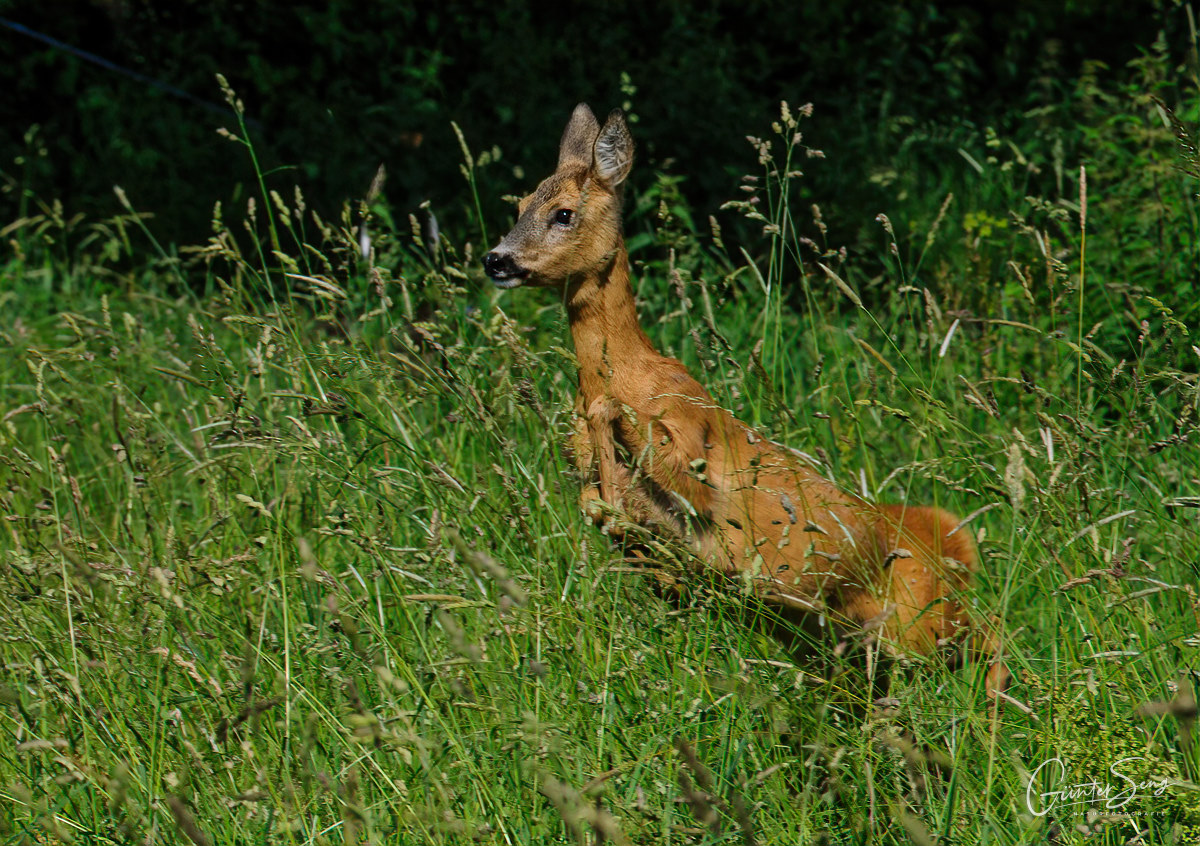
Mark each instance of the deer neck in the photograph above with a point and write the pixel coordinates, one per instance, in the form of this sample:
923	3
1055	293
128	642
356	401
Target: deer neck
609	341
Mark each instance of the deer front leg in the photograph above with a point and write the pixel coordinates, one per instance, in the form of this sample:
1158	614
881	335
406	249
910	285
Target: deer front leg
672	448
614	497
582	453
592	449
605	493
599	424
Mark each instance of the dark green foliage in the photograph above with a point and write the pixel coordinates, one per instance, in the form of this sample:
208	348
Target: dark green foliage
334	89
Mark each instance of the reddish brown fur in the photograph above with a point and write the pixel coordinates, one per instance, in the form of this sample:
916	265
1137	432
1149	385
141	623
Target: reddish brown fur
657	449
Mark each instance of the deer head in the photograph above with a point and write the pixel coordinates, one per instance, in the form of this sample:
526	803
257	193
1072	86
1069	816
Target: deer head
570	226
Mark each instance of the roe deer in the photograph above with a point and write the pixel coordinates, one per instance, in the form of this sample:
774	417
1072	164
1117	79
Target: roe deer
654	446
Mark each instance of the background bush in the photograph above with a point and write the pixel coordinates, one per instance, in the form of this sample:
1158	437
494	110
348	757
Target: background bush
335	89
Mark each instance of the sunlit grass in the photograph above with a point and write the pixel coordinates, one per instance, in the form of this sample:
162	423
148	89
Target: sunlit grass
309	569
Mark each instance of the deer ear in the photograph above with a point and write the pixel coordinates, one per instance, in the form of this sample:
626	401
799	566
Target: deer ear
612	155
578	138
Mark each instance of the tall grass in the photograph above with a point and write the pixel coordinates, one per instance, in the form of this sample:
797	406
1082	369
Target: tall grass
308	568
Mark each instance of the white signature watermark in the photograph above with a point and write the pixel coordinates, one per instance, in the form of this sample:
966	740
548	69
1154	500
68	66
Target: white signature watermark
1112	794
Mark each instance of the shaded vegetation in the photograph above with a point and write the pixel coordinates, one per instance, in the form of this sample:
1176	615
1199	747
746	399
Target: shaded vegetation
337	88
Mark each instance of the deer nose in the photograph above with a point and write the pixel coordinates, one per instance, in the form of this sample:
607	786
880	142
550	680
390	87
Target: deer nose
499	265
491	263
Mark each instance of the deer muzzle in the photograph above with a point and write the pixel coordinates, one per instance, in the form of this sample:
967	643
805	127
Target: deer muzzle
503	270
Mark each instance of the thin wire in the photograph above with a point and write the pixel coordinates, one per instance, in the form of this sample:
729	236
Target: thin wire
112	66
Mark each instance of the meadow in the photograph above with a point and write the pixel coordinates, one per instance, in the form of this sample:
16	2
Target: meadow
291	553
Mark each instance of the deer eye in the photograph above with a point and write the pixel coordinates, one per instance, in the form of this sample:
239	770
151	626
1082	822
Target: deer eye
563	217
